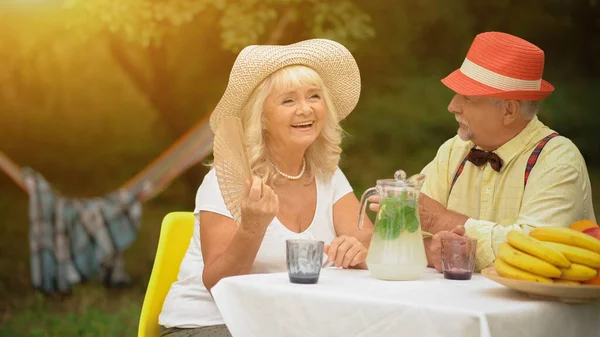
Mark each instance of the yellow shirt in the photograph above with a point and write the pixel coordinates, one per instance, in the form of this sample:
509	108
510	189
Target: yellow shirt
558	189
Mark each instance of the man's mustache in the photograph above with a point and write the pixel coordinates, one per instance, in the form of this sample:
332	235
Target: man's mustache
461	121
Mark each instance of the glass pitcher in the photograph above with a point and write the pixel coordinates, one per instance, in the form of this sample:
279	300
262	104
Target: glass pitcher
396	251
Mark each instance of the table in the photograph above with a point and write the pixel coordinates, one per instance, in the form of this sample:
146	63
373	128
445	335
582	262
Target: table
352	303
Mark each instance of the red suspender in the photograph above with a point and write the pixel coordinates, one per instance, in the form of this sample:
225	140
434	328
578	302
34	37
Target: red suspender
459	171
535	154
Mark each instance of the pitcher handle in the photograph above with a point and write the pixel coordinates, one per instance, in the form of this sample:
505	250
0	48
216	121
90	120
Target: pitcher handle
363	205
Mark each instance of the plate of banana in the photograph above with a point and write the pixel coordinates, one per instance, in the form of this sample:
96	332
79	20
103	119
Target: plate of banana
549	262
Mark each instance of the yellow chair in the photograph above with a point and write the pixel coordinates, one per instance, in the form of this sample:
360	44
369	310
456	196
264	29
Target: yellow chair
175	234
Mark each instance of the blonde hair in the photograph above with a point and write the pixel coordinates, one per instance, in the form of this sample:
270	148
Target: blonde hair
322	156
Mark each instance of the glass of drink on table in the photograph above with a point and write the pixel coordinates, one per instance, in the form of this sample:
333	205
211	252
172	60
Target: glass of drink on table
458	257
304	260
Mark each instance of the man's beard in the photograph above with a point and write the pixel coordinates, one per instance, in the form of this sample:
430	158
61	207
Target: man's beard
469	133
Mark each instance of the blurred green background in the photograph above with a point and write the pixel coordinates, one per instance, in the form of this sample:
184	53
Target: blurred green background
91	91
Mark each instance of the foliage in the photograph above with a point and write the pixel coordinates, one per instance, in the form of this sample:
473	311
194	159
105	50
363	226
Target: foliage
142	21
241	23
570	110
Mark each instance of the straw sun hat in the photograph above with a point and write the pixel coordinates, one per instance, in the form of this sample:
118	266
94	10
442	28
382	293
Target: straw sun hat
332	61
503	66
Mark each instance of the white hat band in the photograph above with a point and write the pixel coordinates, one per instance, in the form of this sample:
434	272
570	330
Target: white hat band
495	80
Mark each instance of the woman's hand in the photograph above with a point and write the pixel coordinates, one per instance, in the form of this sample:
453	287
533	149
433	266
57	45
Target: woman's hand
346	251
259	207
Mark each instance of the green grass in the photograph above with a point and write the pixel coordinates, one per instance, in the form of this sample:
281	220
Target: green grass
90	311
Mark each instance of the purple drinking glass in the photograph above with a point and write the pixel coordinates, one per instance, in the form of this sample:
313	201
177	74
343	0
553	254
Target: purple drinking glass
458	257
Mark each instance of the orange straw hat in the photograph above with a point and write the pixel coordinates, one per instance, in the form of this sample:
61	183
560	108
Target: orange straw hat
503	66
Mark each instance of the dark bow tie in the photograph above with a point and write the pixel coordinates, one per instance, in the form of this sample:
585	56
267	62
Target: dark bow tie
480	157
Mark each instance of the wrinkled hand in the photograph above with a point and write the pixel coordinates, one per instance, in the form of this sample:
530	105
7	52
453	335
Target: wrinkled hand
259	207
435	247
346	251
430	212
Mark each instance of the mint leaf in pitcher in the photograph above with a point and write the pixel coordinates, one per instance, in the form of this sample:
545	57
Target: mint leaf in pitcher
411	222
387	219
396	214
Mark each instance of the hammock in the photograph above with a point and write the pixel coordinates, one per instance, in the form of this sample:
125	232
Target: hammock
74	239
191	148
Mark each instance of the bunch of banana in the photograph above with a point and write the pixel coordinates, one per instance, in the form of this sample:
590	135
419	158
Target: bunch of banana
582	250
549	255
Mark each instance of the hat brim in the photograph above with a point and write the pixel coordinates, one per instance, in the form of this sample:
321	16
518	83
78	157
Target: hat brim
463	85
332	61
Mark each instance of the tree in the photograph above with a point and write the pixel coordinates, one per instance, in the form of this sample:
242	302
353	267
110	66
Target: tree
139	33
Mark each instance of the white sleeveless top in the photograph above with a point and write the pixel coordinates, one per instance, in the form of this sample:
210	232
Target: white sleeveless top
189	304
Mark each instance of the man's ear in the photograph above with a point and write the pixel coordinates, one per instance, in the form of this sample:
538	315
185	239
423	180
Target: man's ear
512	109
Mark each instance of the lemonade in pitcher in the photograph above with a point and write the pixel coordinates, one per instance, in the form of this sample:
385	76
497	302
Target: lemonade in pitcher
396	251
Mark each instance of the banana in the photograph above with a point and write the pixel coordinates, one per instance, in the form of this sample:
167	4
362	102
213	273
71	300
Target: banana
524	261
536	248
567	236
559	281
577	272
506	270
576	254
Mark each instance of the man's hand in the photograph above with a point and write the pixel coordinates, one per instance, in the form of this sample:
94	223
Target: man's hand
374	205
434	251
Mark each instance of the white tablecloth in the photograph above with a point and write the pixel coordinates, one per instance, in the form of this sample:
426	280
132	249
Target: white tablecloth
352	303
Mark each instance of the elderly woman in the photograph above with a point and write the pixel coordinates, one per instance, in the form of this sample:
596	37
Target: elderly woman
290	100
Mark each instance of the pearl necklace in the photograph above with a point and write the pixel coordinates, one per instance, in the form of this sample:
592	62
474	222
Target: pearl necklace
287	176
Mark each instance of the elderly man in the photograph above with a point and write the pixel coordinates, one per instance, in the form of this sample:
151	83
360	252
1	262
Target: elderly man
505	169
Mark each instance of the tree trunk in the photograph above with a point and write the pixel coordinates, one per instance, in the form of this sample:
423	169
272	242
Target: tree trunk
163	99
158	90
